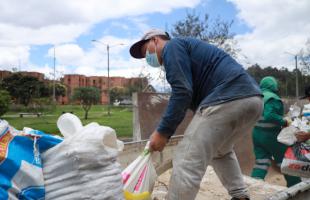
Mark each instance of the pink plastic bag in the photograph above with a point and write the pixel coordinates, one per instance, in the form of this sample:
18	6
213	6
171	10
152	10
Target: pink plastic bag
139	177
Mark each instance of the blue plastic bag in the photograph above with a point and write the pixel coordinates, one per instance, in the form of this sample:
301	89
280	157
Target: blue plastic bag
21	175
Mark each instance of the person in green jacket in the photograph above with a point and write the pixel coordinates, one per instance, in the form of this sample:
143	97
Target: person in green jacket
266	130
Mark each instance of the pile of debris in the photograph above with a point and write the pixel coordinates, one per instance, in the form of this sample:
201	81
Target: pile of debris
211	187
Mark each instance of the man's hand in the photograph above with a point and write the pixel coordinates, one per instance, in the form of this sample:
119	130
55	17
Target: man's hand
157	141
302	136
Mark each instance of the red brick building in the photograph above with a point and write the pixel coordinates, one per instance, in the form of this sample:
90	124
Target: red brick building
4	74
72	81
40	76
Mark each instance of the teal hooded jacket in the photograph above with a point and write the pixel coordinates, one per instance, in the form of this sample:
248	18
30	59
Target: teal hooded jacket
272	117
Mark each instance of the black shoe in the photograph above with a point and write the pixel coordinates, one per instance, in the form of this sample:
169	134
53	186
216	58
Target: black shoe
239	199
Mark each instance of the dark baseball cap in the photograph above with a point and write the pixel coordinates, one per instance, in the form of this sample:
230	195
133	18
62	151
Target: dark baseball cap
135	49
307	93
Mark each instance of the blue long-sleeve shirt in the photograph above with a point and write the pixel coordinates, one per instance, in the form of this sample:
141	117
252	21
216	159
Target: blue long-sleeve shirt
200	75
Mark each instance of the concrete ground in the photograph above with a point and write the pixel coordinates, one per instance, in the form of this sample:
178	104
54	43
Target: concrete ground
211	188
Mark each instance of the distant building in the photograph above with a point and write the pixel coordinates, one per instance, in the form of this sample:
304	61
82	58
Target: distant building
4	74
72	81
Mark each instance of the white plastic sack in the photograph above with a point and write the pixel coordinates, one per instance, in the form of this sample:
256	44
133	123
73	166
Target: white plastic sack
139	177
84	165
287	135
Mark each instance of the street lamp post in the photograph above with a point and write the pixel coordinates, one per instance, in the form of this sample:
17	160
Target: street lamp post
296	69
54	90
108	51
108	54
297	88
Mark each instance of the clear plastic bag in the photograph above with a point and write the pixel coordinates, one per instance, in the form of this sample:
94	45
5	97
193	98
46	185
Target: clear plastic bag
294	111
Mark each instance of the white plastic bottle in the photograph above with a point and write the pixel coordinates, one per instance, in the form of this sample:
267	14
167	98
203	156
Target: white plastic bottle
69	125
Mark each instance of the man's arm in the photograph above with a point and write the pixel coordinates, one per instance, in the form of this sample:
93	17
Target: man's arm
302	136
179	75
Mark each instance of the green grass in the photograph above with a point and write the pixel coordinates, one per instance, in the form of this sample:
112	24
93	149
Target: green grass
120	119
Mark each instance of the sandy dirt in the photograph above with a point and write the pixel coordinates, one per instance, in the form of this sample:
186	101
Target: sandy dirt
211	188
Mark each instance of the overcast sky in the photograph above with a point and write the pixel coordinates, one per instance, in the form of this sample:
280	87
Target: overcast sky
30	29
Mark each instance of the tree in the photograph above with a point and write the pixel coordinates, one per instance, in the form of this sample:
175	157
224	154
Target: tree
217	32
60	90
118	93
137	85
304	57
87	96
24	88
286	79
5	100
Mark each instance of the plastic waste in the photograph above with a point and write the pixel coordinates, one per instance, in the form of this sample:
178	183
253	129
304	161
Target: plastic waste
139	177
296	160
69	124
84	165
306	111
21	175
287	135
140	196
304	125
294	111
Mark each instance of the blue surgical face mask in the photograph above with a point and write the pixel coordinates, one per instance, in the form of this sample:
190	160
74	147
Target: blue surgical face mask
152	59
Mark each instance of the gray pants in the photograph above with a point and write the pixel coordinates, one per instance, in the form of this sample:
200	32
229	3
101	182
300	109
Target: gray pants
209	140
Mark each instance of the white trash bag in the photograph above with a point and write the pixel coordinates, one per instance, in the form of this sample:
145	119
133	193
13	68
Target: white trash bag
84	165
287	135
139	177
